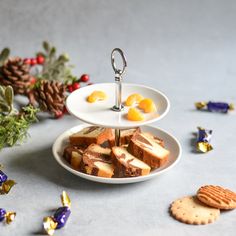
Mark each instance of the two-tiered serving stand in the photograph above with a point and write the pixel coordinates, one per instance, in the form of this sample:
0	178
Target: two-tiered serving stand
106	114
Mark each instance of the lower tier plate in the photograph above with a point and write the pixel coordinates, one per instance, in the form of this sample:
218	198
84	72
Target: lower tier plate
171	143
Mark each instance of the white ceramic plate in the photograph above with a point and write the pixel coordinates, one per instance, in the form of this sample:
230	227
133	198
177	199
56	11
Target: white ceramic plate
100	113
171	143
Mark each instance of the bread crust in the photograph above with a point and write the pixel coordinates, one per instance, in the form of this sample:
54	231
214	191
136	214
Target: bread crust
104	136
126	171
90	158
146	156
124	139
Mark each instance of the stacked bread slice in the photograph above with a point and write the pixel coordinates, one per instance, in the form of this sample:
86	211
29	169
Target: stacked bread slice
89	135
147	149
125	136
97	161
93	151
128	165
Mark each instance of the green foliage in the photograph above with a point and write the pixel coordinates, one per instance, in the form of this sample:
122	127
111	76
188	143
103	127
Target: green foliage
55	67
4	55
13	128
6	99
13	124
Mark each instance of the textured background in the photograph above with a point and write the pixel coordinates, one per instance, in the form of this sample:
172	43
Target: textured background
184	48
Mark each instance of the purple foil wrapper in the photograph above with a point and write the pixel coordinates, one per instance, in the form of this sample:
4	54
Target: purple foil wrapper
61	216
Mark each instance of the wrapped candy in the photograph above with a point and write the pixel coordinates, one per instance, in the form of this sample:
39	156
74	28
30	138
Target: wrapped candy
215	106
5	184
203	140
3	178
60	217
7	216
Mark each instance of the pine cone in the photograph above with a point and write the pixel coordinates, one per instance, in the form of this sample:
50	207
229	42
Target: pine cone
50	95
16	74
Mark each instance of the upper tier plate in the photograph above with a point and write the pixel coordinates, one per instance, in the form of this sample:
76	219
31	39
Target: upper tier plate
100	113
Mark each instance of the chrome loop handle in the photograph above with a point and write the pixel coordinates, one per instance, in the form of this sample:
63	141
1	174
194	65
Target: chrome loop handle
118	71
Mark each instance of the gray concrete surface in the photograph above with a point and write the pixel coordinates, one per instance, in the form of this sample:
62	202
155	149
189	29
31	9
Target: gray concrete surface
184	48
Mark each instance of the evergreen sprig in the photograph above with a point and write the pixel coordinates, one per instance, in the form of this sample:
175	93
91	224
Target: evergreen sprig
55	67
4	55
14	124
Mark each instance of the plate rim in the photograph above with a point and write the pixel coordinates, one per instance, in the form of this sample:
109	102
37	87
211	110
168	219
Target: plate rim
126	180
134	123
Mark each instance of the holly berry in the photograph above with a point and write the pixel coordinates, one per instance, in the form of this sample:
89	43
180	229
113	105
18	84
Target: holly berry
84	78
40	59
65	110
27	61
58	114
33	80
75	86
33	61
70	88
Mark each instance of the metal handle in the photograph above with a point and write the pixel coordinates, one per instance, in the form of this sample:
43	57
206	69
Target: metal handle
118	71
118	78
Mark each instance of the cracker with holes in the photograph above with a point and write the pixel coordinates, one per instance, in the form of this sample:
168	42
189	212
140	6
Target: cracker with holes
217	197
190	210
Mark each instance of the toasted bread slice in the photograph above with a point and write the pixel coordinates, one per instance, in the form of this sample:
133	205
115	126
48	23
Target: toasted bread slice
127	165
125	136
73	155
146	149
97	161
89	135
67	154
155	138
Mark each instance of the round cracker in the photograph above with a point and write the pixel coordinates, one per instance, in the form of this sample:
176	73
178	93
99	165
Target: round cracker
217	197
190	210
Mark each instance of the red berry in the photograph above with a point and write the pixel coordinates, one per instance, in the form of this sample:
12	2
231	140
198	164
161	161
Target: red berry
27	61
70	88
33	80
40	59
65	110
58	114
84	78
33	61
76	85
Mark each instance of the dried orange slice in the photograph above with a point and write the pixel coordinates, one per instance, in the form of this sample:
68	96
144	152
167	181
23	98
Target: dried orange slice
147	105
96	96
135	115
133	98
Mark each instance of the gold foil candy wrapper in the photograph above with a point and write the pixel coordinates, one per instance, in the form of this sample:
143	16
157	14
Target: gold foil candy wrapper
6	186
65	200
204	139
204	147
49	225
231	106
49	222
200	105
10	216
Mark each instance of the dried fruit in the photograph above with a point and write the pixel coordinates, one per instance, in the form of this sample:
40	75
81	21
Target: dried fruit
147	105
135	115
133	99
96	96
